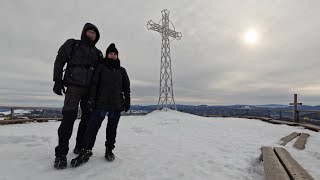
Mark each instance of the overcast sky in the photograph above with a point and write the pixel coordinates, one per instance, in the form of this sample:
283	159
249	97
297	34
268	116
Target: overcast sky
212	64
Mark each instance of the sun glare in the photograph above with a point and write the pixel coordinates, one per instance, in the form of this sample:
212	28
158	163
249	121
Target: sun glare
251	36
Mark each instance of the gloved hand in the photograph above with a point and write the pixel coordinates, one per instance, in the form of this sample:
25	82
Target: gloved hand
58	87
91	105
126	106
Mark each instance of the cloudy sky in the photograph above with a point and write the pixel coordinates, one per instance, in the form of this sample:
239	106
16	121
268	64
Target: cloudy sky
212	64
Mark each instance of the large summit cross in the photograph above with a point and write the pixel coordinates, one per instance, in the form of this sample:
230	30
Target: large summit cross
166	99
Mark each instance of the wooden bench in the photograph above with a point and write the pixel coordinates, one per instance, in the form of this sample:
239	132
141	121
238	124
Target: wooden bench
294	169
300	142
279	165
273	168
288	138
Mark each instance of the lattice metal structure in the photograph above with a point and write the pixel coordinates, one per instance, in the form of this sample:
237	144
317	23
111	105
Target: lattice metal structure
166	99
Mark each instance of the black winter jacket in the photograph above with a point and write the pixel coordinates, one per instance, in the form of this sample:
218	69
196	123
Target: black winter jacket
110	86
81	58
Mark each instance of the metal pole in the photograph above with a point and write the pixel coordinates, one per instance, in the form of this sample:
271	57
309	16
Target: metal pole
12	113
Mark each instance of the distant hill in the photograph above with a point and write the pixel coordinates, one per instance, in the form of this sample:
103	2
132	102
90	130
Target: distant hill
4	110
273	106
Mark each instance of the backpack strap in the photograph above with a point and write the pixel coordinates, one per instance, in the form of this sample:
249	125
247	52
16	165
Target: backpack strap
75	45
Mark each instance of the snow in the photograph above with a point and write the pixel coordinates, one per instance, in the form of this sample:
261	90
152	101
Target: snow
160	145
1	118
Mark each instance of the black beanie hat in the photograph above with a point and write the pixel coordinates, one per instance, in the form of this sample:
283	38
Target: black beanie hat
112	48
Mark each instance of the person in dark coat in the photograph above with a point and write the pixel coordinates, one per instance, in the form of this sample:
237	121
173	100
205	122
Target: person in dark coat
109	95
81	57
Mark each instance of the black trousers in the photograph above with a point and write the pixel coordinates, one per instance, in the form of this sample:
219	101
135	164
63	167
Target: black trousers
94	125
74	96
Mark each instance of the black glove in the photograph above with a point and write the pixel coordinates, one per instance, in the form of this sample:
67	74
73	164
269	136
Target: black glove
126	106
58	86
91	105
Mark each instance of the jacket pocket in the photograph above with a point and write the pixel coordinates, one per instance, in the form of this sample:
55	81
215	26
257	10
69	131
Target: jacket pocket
67	78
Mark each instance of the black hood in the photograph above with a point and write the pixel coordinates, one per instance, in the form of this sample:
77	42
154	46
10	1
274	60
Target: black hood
84	37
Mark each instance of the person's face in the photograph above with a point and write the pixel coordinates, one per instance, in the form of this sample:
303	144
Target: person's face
113	56
91	34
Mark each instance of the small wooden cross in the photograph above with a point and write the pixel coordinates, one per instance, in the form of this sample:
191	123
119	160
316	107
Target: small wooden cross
295	109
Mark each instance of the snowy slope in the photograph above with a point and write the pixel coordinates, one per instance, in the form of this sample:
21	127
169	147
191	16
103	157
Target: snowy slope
160	145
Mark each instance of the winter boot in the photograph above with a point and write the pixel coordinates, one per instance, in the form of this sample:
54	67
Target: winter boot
60	162
109	155
84	156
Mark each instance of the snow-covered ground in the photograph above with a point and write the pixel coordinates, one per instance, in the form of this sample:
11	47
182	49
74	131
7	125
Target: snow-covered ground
160	145
1	118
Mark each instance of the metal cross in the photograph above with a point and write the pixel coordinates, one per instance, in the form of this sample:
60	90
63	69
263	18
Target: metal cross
166	99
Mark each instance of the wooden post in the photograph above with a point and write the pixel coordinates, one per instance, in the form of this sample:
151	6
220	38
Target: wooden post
12	113
295	109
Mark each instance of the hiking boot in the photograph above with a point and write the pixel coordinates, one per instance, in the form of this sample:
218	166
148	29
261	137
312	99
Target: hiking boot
60	162
84	156
109	155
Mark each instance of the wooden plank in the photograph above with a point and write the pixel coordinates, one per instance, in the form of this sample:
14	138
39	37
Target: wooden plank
273	168
16	121
301	141
42	120
283	122
288	138
22	121
294	169
265	118
46	119
311	127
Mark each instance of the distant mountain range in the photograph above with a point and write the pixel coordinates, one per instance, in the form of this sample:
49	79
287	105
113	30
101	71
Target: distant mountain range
238	106
276	111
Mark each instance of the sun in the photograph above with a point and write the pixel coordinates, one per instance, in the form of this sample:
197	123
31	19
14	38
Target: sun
251	36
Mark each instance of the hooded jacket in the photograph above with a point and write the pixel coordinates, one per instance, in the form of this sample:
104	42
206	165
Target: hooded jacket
110	86
81	58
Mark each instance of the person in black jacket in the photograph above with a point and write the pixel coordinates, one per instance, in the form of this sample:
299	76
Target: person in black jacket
81	57
109	95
